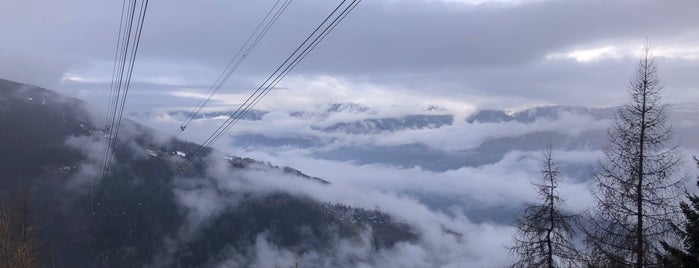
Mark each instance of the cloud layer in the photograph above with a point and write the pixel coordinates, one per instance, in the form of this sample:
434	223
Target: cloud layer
499	54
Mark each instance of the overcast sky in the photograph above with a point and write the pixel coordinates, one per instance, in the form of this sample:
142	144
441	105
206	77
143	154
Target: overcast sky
469	53
390	55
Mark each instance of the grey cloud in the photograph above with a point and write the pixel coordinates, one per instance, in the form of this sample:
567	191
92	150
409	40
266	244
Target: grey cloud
566	82
89	169
423	36
479	245
492	55
412	35
435	247
31	68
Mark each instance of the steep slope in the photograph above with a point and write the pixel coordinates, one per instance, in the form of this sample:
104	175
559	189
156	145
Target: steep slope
49	148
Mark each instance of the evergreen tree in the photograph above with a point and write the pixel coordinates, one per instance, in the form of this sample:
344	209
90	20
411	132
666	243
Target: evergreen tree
544	233
636	190
688	254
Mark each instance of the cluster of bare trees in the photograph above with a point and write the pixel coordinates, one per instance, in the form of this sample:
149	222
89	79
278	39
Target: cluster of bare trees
637	188
17	244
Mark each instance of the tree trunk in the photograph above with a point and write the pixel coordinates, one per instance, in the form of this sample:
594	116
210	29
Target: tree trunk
639	187
551	213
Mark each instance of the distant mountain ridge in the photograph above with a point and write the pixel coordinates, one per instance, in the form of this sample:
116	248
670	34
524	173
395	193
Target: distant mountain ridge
415	121
432	118
336	140
537	113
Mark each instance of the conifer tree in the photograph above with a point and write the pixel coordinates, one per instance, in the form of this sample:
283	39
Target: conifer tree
688	254
636	187
545	232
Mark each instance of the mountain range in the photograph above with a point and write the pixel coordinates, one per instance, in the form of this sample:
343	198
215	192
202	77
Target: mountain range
357	133
456	176
137	215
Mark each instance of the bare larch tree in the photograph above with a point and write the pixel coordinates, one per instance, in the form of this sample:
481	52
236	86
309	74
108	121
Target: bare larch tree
545	232
636	187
